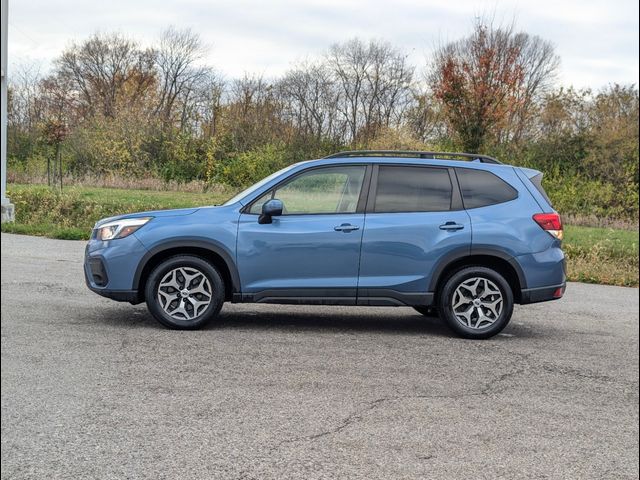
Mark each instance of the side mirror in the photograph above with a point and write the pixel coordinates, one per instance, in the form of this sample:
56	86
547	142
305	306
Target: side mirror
272	208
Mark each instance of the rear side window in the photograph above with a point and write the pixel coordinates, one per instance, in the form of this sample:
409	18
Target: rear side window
412	189
537	182
480	188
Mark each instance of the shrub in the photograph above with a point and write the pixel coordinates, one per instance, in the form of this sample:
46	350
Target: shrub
245	168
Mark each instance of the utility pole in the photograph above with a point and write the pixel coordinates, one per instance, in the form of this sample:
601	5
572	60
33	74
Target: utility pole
8	214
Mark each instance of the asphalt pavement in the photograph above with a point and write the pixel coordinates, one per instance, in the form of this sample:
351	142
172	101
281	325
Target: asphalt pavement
92	388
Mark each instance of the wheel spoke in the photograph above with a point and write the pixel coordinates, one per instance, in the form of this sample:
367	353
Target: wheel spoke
471	286
170	280
180	310
167	297
466	315
493	307
202	288
198	305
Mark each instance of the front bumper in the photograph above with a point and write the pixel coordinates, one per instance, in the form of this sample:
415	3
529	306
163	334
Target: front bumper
130	296
110	266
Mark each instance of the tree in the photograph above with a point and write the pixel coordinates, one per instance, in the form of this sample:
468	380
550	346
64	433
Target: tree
374	85
253	113
180	75
310	98
105	71
488	82
54	133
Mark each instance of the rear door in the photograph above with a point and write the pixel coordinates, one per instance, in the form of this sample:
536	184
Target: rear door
414	219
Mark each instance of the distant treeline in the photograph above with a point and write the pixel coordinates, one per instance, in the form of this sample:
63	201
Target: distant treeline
110	107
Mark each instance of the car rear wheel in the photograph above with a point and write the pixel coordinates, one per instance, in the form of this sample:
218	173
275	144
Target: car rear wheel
184	292
476	302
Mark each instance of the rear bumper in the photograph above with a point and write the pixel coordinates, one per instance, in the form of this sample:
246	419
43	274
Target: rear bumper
542	294
545	275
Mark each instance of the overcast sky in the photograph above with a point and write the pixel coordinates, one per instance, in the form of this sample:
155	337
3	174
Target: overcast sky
597	40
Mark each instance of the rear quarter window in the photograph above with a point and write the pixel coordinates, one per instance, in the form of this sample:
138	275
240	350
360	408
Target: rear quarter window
537	182
480	188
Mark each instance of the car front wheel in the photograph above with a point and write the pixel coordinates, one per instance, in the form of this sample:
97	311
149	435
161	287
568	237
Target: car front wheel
184	292
476	302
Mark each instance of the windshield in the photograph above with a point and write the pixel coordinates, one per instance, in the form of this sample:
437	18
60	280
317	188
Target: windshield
256	186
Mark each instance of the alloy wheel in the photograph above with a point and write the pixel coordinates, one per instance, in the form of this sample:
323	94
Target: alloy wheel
184	293
477	303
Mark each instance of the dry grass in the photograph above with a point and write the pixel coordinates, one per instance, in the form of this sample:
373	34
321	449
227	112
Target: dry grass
596	266
593	221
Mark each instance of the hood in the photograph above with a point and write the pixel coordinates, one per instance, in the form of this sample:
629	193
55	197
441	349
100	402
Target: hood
151	213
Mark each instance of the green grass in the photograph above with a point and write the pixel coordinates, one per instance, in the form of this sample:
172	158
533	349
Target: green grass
169	199
617	243
71	215
602	255
46	230
596	255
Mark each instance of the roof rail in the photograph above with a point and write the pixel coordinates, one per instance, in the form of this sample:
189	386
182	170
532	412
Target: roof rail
414	154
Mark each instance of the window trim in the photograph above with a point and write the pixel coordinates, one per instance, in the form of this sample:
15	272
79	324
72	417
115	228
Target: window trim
517	193
362	199
456	196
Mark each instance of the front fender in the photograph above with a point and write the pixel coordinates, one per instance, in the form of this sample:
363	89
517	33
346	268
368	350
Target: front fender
190	242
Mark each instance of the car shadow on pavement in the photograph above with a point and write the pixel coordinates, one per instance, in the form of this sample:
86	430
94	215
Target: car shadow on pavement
358	320
335	322
289	319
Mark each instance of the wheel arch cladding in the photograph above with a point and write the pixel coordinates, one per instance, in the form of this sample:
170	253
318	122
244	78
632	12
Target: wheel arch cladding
500	263
211	252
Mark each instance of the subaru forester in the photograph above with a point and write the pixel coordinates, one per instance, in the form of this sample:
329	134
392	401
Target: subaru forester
459	236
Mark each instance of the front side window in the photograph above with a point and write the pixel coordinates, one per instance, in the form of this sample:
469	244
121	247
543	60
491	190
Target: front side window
321	190
412	189
480	188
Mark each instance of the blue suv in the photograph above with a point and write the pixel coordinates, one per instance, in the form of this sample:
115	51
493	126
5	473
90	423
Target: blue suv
462	240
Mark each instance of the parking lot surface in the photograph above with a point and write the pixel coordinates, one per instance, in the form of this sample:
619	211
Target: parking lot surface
96	389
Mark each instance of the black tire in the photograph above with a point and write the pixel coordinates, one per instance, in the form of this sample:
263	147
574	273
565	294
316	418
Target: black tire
428	311
191	263
448	290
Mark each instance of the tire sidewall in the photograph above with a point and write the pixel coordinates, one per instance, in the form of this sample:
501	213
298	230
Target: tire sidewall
209	271
446	295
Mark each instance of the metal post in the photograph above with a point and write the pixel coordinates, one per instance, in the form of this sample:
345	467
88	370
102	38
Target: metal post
7	207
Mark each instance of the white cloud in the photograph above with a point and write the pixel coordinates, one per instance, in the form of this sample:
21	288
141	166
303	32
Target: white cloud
597	40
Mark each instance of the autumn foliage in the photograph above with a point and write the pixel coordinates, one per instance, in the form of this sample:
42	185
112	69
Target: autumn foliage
488	82
113	108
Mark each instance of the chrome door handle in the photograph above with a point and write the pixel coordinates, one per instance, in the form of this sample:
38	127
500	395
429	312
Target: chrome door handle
451	226
346	227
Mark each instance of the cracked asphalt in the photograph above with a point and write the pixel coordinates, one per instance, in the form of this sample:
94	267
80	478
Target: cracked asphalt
96	389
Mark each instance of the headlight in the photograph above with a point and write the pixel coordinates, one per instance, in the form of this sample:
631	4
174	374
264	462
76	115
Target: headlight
120	228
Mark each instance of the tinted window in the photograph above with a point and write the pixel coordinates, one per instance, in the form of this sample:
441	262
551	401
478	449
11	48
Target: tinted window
412	189
480	188
537	182
321	190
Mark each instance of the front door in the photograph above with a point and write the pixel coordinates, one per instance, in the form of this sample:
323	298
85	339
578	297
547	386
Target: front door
311	252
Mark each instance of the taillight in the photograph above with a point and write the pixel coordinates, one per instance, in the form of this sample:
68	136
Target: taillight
550	222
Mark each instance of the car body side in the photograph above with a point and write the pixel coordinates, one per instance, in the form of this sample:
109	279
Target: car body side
401	257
